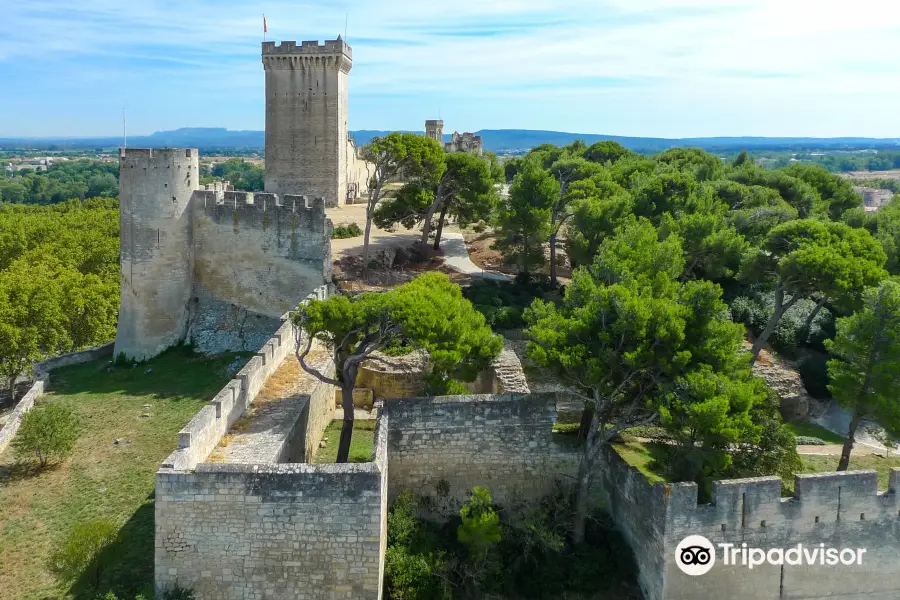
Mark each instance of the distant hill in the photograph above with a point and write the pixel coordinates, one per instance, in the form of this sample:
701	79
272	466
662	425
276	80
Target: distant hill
495	140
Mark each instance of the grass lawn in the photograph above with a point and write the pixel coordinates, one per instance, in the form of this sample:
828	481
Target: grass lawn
641	455
827	464
101	479
360	444
810	429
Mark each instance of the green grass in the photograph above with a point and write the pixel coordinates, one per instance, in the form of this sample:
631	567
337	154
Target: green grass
808	429
101	479
360	444
641	455
827	464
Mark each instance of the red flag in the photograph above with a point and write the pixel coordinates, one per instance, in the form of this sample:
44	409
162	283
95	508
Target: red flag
265	29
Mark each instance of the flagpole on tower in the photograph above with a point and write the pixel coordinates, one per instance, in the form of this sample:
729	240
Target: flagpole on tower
265	28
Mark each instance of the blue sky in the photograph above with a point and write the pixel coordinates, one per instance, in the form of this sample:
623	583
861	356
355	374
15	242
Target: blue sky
661	68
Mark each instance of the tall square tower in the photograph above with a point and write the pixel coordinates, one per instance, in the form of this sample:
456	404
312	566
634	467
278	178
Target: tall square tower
306	118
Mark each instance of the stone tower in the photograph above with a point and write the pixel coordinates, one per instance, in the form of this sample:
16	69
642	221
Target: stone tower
306	118
435	130
156	256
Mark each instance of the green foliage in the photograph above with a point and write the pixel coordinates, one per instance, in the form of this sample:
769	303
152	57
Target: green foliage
439	384
47	433
59	280
525	219
597	206
408	207
865	364
531	557
177	592
480	529
606	152
61	182
796	192
713	249
346	231
82	552
503	303
701	165
835	191
242	174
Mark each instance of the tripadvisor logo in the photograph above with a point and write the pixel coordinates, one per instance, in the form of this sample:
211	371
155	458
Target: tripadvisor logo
696	555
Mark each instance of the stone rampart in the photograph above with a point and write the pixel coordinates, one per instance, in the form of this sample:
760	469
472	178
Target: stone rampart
241	532
441	447
204	431
253	255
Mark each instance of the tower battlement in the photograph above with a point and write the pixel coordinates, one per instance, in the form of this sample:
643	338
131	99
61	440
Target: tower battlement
313	47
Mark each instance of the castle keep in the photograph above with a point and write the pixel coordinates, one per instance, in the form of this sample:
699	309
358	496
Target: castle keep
218	268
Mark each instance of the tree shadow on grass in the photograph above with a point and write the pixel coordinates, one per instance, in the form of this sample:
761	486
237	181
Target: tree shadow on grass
22	470
177	372
126	565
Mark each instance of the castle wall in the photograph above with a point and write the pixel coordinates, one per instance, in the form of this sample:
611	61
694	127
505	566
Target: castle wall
505	443
156	254
242	532
255	255
306	118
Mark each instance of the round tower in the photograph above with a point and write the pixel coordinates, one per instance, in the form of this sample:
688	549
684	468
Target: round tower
156	258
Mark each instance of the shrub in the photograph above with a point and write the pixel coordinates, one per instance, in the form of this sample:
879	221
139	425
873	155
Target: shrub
805	440
503	303
80	554
177	592
480	529
346	231
47	433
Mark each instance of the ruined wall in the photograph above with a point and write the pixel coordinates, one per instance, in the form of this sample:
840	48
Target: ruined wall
256	255
504	442
306	118
242	532
156	253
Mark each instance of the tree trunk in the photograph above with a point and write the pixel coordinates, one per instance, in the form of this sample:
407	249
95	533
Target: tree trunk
370	211
844	463
440	227
804	333
581	501
426	225
553	281
780	309
347	427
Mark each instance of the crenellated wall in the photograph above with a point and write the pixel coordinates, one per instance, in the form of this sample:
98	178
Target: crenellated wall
255	256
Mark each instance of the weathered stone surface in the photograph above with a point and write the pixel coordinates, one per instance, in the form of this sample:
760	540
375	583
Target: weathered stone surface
784	381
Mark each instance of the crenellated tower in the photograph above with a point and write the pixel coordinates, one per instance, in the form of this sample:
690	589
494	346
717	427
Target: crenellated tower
434	129
155	248
306	118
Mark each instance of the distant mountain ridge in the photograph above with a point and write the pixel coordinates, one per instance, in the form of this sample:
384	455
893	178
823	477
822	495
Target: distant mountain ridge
495	140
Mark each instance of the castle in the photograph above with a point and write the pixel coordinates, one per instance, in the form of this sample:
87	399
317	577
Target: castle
465	142
217	268
239	512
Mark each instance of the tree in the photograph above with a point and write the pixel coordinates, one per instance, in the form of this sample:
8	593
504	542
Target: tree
826	262
47	433
464	188
753	210
387	157
865	363
82	549
699	164
836	192
670	191
525	219
598	208
742	159
629	336
606	152
428	313
713	249
567	171
794	191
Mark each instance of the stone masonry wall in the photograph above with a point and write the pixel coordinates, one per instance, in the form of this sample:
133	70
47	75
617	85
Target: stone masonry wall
503	442
255	255
242	532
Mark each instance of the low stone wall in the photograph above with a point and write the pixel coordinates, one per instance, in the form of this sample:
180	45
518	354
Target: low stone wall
11	428
242	532
441	447
42	381
203	432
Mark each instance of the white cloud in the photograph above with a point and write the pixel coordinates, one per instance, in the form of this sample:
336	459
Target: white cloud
712	50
